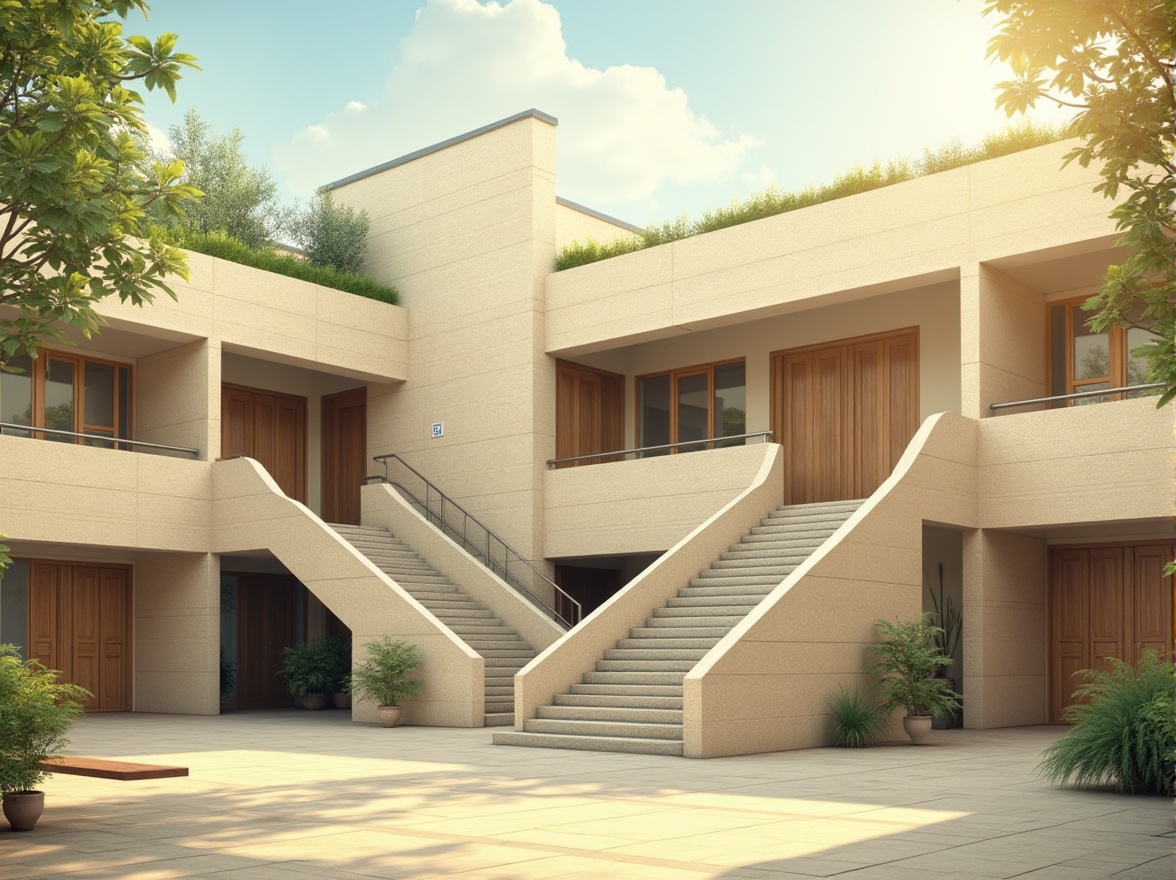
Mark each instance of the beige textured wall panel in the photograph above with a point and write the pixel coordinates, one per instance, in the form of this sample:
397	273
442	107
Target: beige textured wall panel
177	634
640	506
172	404
562	665
1100	463
251	513
574	225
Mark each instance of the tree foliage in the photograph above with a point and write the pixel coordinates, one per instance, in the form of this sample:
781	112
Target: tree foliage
75	186
1114	62
239	199
331	235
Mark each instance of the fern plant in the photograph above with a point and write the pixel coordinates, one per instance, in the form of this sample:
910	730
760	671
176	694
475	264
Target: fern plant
854	719
1124	733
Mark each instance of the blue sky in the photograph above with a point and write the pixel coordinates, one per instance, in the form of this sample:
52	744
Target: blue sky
665	106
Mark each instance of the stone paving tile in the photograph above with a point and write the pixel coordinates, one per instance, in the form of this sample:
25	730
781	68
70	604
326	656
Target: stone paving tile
296	795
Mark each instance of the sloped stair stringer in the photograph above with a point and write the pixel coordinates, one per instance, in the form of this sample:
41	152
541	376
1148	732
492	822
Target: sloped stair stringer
564	663
765	686
250	512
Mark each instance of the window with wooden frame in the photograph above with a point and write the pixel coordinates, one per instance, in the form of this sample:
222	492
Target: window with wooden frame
704	402
1082	359
68	392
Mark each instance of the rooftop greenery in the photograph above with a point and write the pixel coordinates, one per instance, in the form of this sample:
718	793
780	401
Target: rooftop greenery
224	246
771	201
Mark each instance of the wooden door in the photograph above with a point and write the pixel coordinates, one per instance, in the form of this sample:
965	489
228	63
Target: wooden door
1105	601
265	626
589	412
844	413
269	427
344	454
79	623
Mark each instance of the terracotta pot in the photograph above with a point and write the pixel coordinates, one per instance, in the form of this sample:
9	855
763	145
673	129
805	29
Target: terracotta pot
22	809
314	701
341	701
917	727
389	715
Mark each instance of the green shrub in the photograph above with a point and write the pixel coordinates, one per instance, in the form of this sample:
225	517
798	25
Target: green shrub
907	659
219	244
36	713
309	669
382	677
771	201
1124	733
854	720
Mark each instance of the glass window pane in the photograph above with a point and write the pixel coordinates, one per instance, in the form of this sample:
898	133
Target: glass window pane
1092	359
1093	386
1137	366
59	399
694	409
124	402
653	406
16	395
99	395
14	605
730	401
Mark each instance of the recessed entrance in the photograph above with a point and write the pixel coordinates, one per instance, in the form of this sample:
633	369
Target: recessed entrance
269	427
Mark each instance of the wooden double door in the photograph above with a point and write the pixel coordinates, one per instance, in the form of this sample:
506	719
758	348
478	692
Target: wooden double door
80	623
1105	601
269	427
844	412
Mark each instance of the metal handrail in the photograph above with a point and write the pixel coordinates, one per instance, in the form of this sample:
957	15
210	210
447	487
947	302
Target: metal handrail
33	429
486	554
1077	395
766	435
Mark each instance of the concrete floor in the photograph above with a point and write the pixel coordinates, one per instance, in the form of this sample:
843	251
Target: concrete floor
301	794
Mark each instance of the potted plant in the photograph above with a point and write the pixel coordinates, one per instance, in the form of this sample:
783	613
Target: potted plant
339	645
383	677
309	670
36	713
949	620
908	659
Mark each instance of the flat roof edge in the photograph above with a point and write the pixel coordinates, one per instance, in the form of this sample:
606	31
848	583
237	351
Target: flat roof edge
442	145
599	215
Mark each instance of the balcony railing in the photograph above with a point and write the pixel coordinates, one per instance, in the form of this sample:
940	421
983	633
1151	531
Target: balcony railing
1077	395
11	429
662	449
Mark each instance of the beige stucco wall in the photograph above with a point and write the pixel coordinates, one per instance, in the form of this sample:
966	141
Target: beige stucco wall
176	651
177	398
251	513
574	225
641	506
901	236
467	234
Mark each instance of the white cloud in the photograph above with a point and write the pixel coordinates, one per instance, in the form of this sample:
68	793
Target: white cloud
355	107
623	133
158	140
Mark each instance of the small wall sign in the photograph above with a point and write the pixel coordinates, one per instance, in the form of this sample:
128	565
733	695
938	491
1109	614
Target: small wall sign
438	429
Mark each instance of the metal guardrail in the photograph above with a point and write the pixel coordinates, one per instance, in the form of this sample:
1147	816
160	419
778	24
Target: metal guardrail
1077	395
481	543
115	441
619	454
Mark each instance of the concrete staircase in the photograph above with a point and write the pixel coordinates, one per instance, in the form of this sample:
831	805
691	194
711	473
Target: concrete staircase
633	701
504	651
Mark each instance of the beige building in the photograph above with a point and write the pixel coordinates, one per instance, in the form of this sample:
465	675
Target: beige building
864	350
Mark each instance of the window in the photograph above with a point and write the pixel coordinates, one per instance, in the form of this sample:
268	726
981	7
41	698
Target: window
696	403
1084	360
67	393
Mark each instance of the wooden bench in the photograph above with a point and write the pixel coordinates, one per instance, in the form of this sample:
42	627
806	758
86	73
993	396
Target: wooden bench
102	768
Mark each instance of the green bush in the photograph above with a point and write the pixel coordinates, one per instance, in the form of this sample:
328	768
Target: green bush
772	201
309	669
854	720
1124	732
382	677
908	658
219	244
36	713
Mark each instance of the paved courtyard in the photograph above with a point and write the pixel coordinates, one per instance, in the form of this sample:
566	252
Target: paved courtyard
293	795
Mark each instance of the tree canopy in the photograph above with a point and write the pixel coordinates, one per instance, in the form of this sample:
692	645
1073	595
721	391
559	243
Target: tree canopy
331	235
75	187
1114	62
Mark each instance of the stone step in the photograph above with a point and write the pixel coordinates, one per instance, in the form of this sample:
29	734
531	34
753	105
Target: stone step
751	593
665	679
611	713
671	642
694	601
717	615
655	652
737	571
778	536
521	654
738	581
593	689
470	614
624	729
778	564
589	743
654	666
678	628
499	719
499	691
617	701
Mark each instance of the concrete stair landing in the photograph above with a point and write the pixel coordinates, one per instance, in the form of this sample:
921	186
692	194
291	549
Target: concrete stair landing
504	651
632	701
